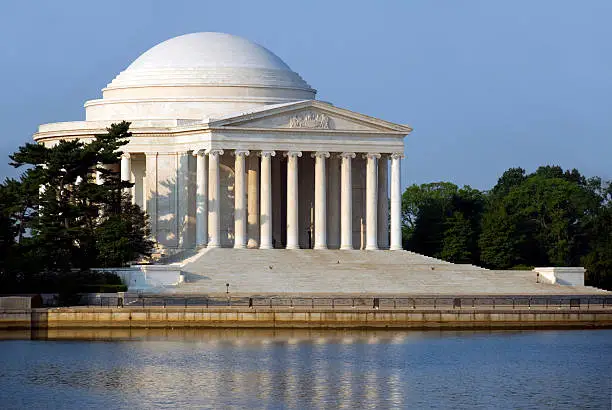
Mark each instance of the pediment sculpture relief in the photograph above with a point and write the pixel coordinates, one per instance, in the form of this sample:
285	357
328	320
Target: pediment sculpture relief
310	120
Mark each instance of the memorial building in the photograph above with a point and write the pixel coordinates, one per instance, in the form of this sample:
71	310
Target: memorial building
230	148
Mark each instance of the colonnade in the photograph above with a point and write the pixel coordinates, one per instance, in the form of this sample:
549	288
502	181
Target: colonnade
207	210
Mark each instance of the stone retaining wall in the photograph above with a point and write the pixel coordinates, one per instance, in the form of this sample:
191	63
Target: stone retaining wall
58	318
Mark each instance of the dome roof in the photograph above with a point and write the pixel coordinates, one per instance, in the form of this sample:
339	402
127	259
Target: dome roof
209	59
198	50
199	75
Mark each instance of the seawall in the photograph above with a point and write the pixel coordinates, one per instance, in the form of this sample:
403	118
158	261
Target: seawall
284	317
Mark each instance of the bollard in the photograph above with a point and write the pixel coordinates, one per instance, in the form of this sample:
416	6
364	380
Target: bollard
251	303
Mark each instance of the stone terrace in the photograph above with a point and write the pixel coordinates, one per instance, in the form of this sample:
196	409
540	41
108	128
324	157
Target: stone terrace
352	272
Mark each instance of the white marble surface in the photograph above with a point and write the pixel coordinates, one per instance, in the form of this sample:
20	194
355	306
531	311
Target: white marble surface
212	92
339	271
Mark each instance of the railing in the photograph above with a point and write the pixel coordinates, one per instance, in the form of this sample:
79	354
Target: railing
576	302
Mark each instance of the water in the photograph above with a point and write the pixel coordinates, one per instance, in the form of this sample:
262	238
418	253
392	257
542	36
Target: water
307	369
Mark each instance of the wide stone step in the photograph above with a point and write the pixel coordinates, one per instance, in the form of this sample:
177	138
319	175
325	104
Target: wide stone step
334	271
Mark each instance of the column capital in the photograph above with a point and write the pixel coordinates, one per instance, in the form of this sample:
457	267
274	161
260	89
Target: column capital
267	153
397	155
371	155
214	151
347	155
293	154
149	153
199	152
125	155
320	154
241	152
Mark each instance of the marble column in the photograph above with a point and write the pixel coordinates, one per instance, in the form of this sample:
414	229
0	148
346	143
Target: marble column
151	190
240	211
346	201
383	202
320	205
253	203
396	203
99	178
201	198
371	201
292	200
265	216
333	202
214	206
126	173
182	200
126	167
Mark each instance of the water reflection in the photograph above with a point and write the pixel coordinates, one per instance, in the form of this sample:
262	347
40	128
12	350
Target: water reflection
303	368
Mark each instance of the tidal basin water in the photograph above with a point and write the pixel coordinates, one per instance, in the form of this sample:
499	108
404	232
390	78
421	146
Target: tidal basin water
566	369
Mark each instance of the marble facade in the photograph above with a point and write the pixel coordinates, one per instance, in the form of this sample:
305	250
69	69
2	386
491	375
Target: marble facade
230	148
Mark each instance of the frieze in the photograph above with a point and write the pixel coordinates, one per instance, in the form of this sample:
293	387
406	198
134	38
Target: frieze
310	120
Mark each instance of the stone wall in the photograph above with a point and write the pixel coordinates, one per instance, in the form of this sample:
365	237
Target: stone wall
87	317
568	276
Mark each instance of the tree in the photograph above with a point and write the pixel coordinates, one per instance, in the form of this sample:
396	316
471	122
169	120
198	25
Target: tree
456	243
598	258
542	219
121	237
443	221
67	215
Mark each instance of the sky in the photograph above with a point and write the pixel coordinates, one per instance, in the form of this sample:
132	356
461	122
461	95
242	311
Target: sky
486	85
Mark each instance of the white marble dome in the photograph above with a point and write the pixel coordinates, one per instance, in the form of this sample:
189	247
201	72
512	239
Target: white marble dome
210	50
196	76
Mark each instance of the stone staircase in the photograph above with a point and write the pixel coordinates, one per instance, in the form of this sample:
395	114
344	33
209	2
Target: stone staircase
256	271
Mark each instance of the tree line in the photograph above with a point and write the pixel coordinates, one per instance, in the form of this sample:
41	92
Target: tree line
551	217
57	221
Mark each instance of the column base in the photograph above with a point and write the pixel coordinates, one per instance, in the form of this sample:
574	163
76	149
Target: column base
262	246
346	247
320	247
240	246
213	245
395	248
292	247
371	248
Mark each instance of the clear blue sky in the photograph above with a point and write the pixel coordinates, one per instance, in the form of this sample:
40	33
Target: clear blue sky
486	85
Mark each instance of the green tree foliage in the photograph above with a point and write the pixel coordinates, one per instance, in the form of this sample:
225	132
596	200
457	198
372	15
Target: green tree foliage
598	258
551	217
443	221
543	219
60	219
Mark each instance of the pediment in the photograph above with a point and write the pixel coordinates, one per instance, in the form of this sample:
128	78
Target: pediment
309	115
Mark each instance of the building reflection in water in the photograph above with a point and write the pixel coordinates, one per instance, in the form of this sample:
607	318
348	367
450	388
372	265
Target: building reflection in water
301	369
295	368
